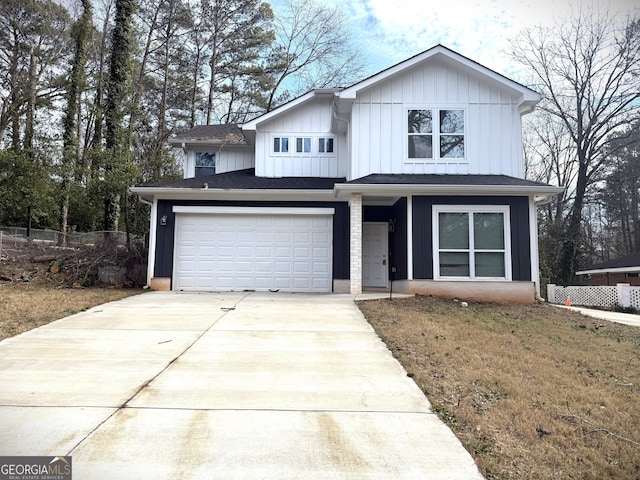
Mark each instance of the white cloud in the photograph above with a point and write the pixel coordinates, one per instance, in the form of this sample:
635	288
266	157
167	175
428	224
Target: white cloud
391	31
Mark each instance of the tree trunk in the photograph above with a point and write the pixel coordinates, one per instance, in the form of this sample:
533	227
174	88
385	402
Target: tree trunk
31	105
572	233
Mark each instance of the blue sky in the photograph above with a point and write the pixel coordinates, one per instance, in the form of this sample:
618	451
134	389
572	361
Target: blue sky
389	31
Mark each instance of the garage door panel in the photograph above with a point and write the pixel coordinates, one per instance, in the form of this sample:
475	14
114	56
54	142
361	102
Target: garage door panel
253	252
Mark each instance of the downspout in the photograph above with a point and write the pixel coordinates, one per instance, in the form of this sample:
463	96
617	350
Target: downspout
348	122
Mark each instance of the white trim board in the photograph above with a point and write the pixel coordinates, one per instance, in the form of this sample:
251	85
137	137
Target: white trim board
252	210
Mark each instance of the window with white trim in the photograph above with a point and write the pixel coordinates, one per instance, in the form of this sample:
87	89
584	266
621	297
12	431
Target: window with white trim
303	145
205	164
471	242
281	144
325	145
435	134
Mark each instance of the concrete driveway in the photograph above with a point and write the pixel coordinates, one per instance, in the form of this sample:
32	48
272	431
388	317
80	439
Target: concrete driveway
221	386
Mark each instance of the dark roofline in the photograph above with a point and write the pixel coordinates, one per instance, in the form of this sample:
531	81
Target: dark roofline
247	180
628	261
444	179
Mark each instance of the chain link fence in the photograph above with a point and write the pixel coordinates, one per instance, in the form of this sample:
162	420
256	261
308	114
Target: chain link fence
16	236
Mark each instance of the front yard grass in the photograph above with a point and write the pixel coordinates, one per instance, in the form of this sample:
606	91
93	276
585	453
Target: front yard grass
532	391
24	306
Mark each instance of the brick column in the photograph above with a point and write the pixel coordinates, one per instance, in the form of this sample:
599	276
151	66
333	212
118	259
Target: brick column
355	253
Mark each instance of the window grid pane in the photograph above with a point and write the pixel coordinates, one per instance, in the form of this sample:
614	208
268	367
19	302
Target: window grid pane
453	231
420	121
454	264
420	146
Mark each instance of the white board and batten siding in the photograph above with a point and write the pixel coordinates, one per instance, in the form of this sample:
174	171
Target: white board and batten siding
312	120
231	159
493	138
240	249
228	158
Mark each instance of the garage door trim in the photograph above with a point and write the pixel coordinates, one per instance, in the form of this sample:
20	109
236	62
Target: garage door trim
253	210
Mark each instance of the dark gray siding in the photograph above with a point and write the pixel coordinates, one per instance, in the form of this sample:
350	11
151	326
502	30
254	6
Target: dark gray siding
397	239
423	238
165	233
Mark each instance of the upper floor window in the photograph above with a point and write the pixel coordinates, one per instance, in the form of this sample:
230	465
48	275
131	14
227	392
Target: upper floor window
205	163
434	134
303	145
325	145
281	144
311	145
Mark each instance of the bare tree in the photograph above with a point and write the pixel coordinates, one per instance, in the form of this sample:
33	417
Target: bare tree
313	49
587	67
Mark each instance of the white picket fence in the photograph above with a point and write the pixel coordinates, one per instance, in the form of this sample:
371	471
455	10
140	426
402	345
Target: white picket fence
622	295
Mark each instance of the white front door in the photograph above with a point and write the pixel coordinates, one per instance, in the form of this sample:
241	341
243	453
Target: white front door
375	239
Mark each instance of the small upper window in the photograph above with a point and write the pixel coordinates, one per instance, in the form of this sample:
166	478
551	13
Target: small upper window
303	145
205	163
325	145
281	145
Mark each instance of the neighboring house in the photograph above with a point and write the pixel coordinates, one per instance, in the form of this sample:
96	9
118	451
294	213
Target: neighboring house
414	175
620	270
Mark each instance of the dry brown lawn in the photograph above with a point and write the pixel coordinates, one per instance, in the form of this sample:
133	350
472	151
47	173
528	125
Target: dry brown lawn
24	306
533	392
32	293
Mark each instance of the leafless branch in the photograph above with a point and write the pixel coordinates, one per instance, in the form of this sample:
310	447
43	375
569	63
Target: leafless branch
577	420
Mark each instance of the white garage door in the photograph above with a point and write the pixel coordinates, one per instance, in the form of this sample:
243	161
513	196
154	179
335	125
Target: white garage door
225	252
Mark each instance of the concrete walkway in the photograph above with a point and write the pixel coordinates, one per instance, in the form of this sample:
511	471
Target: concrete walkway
221	386
617	317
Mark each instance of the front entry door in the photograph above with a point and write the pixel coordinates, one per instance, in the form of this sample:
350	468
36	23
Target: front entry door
375	239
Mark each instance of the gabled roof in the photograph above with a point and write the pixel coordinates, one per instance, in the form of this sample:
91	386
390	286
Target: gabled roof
630	263
528	96
229	133
313	94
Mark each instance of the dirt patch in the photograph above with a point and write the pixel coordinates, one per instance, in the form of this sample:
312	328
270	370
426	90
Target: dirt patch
531	391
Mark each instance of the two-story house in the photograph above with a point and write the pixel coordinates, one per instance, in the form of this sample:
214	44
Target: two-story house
414	175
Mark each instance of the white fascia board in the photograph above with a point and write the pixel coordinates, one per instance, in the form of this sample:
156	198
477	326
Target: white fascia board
185	142
610	270
151	193
253	210
318	92
345	190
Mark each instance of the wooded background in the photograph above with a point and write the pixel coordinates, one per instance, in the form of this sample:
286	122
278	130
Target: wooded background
90	93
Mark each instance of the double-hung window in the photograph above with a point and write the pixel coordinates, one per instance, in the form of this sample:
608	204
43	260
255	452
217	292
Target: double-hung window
471	242
435	134
205	164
